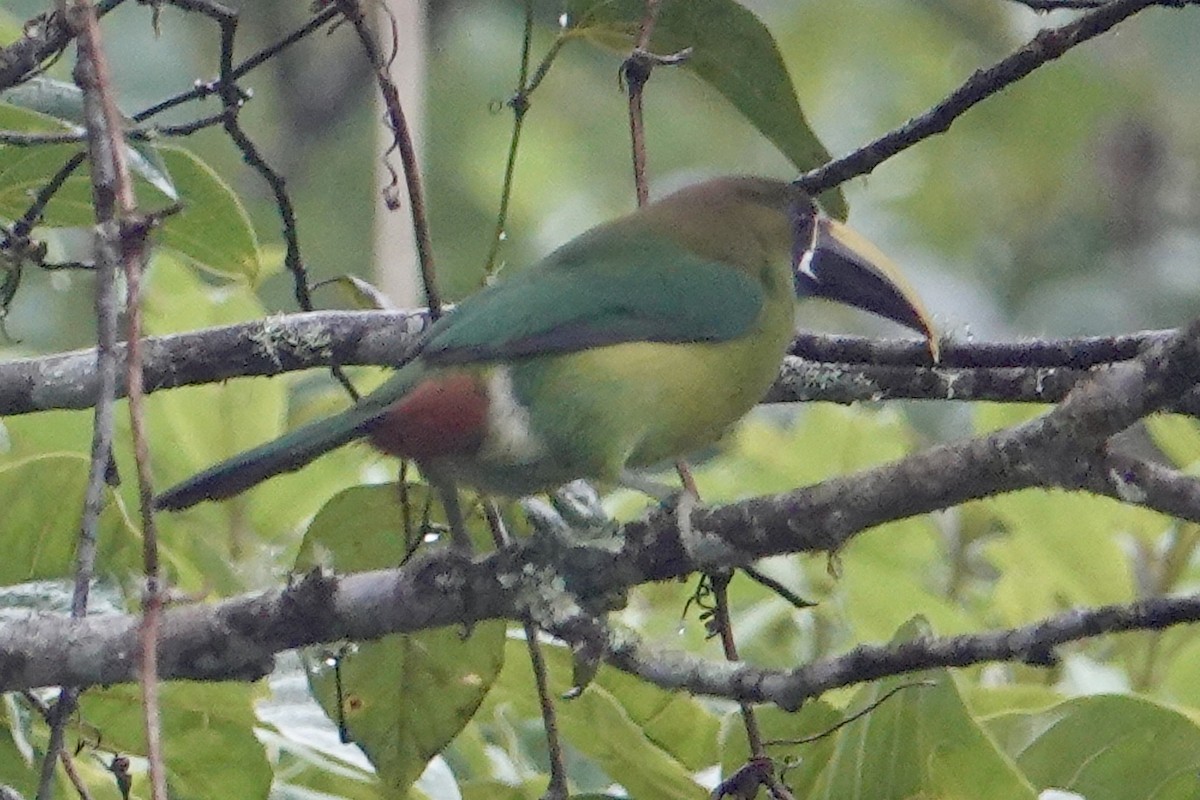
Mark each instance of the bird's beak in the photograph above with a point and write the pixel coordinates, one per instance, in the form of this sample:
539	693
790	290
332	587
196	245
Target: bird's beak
834	262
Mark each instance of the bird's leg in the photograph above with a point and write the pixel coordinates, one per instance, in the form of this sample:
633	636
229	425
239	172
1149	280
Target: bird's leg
683	501
460	539
662	492
686	504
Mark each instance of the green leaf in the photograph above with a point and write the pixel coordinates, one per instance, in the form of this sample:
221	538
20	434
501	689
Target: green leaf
765	455
1105	748
213	229
1178	437
64	102
25	170
732	51
615	727
11	27
921	741
682	726
885	575
988	700
1062	550
358	294
24	435
403	698
208	729
500	790
15	770
200	425
194	427
46	95
988	417
43	498
307	755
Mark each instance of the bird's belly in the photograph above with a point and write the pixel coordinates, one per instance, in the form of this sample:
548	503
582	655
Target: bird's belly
641	403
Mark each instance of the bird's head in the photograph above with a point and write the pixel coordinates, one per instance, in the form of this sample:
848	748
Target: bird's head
747	221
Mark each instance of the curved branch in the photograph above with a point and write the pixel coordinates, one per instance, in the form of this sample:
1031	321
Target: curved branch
1031	644
1046	46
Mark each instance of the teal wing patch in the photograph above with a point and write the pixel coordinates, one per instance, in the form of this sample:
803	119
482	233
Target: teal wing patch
600	289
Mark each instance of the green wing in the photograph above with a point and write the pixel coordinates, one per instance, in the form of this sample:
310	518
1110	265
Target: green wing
600	289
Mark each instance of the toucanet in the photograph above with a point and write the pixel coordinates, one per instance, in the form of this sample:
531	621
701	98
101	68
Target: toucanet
638	342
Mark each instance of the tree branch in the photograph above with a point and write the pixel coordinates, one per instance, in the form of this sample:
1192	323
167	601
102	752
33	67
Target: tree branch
45	37
235	639
840	369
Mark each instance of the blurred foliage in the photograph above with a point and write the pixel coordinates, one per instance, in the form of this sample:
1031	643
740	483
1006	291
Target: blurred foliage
1068	204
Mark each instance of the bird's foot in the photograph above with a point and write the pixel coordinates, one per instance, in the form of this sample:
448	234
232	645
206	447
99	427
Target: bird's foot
574	515
681	502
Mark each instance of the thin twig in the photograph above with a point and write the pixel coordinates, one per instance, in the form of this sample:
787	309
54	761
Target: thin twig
139	134
723	625
82	22
1046	46
16	240
762	579
74	777
67	760
116	205
557	789
519	103
17	237
152	601
636	70
232	99
857	715
203	90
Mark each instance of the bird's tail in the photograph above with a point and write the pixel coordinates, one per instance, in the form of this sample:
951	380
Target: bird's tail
288	453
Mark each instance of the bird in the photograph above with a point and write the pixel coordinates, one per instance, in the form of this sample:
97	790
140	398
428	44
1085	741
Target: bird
638	342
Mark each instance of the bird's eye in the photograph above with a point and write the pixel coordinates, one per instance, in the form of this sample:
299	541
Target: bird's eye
804	230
